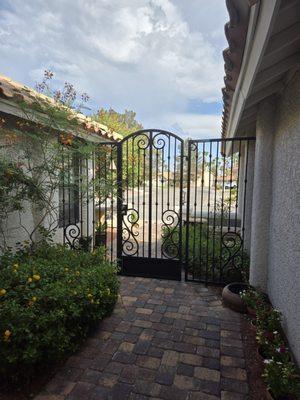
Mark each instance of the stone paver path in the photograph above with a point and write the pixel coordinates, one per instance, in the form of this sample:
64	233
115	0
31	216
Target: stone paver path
165	340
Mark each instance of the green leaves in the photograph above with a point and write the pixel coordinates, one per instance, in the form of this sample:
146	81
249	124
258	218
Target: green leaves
15	187
49	317
280	373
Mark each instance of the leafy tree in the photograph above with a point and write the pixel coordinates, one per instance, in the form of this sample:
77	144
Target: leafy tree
125	124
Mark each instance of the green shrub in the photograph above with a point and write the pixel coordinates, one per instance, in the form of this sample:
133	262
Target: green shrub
49	301
280	373
208	256
282	379
256	300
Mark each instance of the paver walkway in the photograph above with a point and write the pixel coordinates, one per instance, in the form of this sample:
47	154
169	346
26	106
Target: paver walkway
165	340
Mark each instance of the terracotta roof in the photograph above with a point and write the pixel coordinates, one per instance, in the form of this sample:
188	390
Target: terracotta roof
235	32
16	92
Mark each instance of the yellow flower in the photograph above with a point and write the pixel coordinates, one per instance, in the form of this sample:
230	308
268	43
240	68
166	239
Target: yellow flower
66	269
16	266
2	292
89	295
77	273
34	298
9	172
29	280
36	277
7	334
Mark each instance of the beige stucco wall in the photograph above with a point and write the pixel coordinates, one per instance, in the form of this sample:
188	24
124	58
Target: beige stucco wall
275	245
246	175
19	226
284	251
262	193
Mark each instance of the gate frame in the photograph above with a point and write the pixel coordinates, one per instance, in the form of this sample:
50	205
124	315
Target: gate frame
114	242
222	141
149	261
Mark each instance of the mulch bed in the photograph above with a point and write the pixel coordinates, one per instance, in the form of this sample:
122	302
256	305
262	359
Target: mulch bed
28	391
254	363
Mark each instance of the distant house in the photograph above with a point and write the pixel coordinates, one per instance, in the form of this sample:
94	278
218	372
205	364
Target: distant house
262	99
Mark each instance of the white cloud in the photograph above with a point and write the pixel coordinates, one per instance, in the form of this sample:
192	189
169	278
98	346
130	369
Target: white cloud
136	54
195	126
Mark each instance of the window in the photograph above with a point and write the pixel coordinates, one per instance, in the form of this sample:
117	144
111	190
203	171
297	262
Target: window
69	192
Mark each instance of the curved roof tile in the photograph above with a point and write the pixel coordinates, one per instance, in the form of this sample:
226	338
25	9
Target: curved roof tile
17	92
235	32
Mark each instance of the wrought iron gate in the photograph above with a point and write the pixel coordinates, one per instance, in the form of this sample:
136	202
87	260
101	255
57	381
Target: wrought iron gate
218	210
150	179
161	205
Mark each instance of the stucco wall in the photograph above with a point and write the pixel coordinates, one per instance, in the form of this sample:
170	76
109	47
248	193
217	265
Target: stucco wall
262	193
284	235
246	176
19	226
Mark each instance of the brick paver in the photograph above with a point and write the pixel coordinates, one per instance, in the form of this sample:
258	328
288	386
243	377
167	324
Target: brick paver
164	340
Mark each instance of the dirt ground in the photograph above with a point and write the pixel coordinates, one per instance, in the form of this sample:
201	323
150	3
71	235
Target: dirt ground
254	363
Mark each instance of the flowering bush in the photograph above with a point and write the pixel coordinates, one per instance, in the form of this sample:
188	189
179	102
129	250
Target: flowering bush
252	298
280	372
49	300
281	379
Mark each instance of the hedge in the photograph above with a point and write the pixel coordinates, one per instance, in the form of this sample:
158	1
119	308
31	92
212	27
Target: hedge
49	301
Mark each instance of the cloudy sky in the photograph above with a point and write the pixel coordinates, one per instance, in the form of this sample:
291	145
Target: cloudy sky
160	58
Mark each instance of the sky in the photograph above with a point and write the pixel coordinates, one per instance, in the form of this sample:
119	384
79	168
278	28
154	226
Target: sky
160	58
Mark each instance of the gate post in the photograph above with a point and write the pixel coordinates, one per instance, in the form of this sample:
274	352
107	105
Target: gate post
188	196
150	195
119	201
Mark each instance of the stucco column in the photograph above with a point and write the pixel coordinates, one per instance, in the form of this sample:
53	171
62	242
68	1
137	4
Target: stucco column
245	194
262	193
241	182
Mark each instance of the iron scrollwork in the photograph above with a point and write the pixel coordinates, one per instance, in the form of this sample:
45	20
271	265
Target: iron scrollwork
159	141
232	243
72	235
130	244
170	234
142	141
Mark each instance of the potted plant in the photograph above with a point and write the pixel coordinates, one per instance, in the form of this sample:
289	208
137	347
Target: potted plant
249	297
100	234
253	300
85	243
232	298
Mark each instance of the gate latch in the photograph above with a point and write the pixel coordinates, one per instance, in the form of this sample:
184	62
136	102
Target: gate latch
124	209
